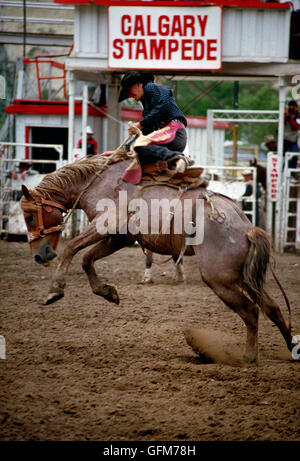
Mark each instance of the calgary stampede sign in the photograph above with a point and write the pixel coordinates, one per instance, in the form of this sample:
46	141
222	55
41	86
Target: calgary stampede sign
186	38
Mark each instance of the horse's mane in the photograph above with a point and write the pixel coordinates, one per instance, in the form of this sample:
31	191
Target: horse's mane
57	181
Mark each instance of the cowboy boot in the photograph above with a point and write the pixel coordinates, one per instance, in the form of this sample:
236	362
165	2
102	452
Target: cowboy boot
180	166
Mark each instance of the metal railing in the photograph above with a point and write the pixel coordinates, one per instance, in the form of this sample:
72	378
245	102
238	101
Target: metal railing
9	195
227	179
290	229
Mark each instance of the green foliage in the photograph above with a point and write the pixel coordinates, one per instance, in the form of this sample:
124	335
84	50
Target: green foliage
196	97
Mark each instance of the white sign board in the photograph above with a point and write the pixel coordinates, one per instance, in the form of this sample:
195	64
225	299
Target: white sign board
274	176
179	38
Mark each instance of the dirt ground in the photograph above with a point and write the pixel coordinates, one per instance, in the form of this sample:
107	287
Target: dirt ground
85	369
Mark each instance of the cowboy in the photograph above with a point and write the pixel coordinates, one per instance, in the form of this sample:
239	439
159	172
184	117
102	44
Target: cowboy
163	123
291	132
16	176
92	145
269	143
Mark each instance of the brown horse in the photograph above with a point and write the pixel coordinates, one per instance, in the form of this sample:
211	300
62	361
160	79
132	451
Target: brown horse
232	258
261	173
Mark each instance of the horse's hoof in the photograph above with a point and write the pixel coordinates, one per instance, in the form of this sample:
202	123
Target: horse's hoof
108	292
251	359
145	281
180	280
52	297
112	296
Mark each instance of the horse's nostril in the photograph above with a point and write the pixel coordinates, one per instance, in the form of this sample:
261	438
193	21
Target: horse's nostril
38	259
51	255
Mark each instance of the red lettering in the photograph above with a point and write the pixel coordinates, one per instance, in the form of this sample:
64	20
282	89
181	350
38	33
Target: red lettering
186	47
202	23
118	45
211	48
176	26
139	25
198	50
163	26
130	41
126	19
188	23
173	47
141	48
149	32
158	49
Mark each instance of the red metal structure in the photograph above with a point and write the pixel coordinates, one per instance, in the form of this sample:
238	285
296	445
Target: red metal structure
48	59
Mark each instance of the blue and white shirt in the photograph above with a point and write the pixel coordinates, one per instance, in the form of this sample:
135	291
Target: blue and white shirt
159	108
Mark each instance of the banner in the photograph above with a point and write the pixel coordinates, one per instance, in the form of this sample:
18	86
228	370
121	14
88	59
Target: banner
178	38
273	176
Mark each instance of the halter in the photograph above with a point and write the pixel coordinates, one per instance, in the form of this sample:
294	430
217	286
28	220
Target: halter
42	231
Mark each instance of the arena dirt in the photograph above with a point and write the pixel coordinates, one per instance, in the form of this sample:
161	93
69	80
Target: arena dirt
85	369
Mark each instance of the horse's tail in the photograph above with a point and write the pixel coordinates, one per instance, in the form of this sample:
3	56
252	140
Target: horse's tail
256	264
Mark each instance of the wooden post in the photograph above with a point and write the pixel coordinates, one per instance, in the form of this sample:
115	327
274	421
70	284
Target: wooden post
234	145
114	114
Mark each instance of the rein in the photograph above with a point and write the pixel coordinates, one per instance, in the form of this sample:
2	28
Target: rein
40	202
96	174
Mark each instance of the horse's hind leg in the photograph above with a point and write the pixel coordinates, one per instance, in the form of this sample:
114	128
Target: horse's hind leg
272	310
149	260
234	298
104	248
179	270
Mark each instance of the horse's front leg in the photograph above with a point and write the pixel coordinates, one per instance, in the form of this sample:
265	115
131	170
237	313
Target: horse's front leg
88	237
103	248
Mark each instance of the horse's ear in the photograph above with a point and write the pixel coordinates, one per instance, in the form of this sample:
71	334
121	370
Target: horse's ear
26	192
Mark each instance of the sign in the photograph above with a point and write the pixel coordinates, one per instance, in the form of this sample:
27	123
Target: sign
179	38
273	172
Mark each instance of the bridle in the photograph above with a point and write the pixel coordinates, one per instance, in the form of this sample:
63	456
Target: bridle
39	202
41	230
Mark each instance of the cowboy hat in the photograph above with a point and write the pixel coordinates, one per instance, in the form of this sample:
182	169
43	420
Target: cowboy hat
247	172
24	164
268	139
129	79
89	130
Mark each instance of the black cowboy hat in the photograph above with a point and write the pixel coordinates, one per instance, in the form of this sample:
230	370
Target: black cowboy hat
24	164
129	79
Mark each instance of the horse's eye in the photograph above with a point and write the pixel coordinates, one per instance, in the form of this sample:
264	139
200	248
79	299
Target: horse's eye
29	219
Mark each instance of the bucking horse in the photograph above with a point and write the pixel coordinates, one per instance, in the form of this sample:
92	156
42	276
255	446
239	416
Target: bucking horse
233	256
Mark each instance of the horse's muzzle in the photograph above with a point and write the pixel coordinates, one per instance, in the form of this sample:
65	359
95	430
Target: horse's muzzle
45	255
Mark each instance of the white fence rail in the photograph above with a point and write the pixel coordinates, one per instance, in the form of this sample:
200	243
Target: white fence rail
11	217
229	183
290	229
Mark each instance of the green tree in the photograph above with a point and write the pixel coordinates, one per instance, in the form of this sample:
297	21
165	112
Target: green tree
196	97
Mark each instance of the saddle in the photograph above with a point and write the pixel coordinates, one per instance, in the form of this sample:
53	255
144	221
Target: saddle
162	172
